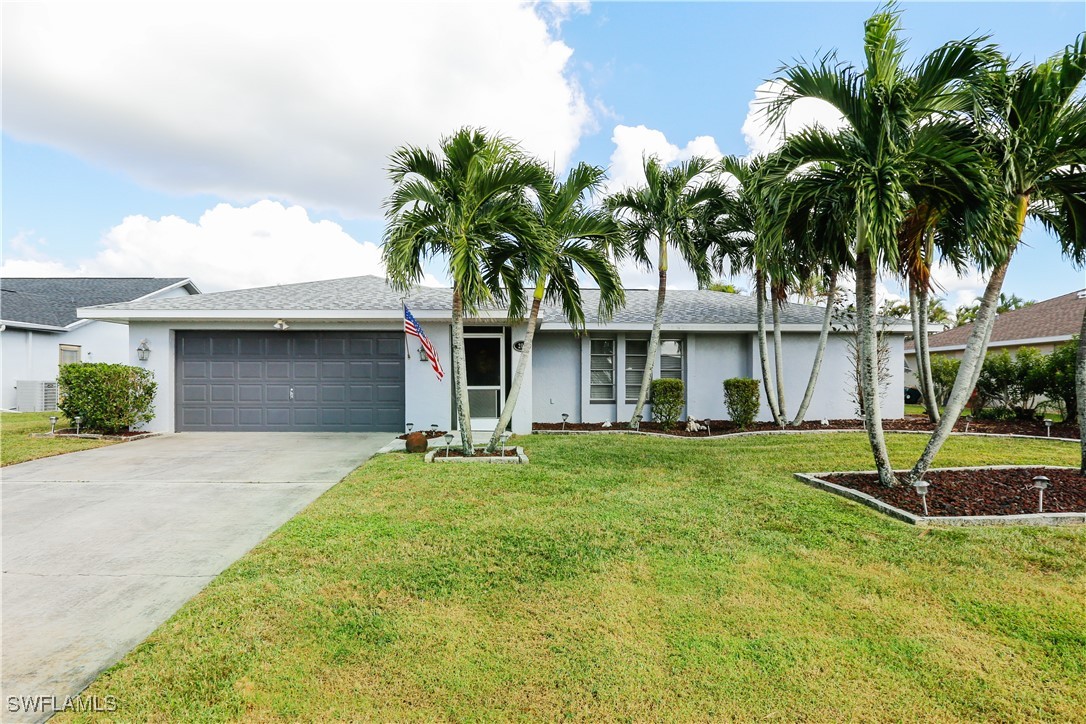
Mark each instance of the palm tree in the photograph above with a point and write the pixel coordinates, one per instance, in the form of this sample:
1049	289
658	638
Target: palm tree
664	211
573	237
1032	122
898	128
458	204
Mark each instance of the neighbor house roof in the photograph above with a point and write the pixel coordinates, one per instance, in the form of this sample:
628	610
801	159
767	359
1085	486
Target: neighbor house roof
51	302
1053	320
370	297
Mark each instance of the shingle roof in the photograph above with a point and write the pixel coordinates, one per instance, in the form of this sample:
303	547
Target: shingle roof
370	293
53	301
1057	317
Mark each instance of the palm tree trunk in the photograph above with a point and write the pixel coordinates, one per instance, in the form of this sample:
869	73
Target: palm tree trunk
1080	390
869	365
460	375
816	366
914	317
973	356
778	356
522	367
654	338
763	349
923	356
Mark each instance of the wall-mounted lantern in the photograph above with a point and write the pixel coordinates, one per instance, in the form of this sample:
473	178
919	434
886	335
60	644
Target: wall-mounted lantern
143	352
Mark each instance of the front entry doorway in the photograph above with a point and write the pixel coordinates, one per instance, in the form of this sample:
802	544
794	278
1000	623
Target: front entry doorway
484	355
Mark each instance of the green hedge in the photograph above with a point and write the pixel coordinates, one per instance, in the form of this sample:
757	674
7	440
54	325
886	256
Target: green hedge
668	395
110	398
743	398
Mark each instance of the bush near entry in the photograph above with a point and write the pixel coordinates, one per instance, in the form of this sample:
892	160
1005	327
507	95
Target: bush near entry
667	401
110	398
742	397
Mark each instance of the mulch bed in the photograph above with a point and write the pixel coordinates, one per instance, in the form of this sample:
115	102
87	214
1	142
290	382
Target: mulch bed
455	452
83	432
430	434
978	491
917	423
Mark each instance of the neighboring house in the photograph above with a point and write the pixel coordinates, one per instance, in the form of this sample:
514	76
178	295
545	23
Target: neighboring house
332	355
40	329
1044	325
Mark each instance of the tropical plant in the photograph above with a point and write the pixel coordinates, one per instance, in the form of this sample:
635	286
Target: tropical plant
1013	383
664	213
460	204
944	370
1032	124
742	398
573	237
900	124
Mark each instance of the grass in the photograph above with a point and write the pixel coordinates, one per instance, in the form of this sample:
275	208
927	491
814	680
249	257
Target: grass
629	578
16	445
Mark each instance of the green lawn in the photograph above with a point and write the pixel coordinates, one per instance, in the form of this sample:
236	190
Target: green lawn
16	445
629	578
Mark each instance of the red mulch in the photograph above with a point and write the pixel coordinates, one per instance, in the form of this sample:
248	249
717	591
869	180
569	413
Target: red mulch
430	434
978	491
455	452
909	423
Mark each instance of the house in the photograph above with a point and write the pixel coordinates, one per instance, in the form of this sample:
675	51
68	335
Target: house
332	356
40	330
1044	325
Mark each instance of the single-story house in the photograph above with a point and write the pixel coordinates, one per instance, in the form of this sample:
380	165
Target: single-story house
332	356
40	330
1044	325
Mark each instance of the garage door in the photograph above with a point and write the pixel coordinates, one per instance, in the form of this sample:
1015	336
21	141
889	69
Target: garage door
290	381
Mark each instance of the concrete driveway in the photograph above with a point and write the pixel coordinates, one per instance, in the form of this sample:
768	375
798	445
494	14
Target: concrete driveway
100	547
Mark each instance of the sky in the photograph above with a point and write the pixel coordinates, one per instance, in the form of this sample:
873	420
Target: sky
244	144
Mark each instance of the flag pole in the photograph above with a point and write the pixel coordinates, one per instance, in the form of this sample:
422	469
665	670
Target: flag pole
403	315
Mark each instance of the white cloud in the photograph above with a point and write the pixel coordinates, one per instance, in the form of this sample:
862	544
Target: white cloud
227	248
301	102
762	137
634	143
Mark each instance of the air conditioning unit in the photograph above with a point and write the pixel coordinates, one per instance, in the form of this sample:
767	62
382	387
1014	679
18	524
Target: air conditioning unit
35	395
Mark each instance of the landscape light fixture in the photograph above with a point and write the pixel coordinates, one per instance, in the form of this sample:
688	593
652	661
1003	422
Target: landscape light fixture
143	352
53	424
637	421
433	427
410	427
968	419
281	325
922	490
565	416
1041	482
78	420
505	439
1048	428
448	440
708	427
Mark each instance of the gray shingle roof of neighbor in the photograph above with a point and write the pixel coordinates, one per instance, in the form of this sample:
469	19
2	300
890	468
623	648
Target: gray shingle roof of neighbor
370	293
52	301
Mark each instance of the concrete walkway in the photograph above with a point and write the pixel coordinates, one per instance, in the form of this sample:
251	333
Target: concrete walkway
101	547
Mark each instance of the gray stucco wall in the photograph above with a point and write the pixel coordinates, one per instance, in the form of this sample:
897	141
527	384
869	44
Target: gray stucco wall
556	377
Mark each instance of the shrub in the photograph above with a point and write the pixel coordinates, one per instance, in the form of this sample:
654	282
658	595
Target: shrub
667	401
944	370
1059	378
110	398
1013	383
743	398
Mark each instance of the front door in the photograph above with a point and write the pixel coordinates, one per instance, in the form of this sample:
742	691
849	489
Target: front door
485	358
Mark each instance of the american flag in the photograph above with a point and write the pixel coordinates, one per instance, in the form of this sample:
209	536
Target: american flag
412	327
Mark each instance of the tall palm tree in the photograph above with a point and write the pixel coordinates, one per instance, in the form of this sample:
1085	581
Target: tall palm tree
1032	121
573	237
458	204
664	212
898	127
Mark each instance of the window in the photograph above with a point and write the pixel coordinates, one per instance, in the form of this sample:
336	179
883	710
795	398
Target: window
636	354
671	358
603	370
70	353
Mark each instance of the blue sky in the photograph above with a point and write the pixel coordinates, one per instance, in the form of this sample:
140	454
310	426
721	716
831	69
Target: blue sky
102	146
